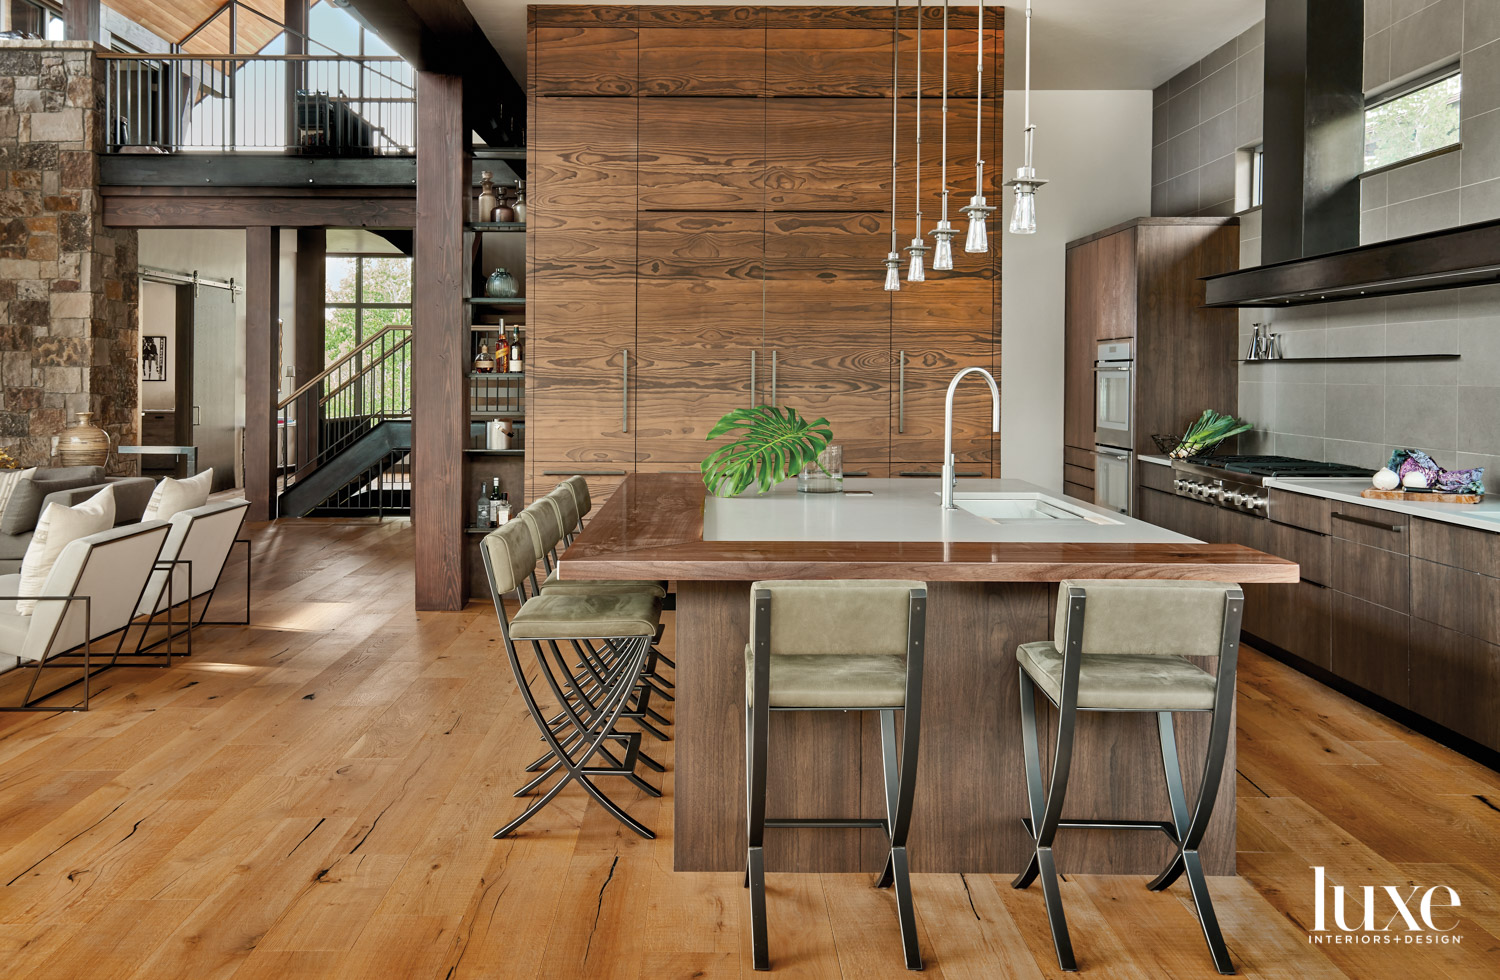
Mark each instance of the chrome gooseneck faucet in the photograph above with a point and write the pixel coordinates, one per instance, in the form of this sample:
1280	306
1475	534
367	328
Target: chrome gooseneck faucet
950	479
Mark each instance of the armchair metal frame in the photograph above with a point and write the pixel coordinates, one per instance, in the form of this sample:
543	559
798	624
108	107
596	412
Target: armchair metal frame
1185	832
28	702
900	780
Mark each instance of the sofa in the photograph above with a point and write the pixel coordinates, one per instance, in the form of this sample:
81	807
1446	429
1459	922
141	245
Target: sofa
66	485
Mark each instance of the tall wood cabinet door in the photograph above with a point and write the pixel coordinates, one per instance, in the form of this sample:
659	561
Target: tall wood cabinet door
1078	348
699	324
828	321
828	51
829	155
702	51
1111	290
584	157
580	348
938	330
702	153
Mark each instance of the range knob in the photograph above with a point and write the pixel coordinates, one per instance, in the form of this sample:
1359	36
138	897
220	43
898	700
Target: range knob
1259	504
1239	499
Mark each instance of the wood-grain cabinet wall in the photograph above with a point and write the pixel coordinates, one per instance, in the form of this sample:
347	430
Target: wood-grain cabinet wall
1142	281
710	199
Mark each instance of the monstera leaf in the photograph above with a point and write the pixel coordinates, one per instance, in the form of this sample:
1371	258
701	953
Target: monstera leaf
777	443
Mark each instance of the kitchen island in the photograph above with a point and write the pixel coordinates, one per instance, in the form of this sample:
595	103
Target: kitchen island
992	568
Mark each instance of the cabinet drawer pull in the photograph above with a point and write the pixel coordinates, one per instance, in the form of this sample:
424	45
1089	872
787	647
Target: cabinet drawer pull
1366	522
583	472
973	473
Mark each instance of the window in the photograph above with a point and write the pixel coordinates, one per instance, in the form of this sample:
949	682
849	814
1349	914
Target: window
1412	121
36	19
364	294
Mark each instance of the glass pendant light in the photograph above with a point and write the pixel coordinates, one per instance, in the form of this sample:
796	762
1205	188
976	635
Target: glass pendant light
918	247
1023	211
893	258
942	235
977	209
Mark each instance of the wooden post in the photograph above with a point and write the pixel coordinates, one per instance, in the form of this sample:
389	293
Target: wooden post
308	343
81	20
262	370
294	19
439	412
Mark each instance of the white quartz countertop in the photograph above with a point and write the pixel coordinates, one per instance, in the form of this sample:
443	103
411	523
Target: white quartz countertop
1158	460
911	510
1485	515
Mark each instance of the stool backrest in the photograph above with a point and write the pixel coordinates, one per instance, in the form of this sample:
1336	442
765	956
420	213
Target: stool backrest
510	557
837	617
580	489
567	508
1155	617
544	516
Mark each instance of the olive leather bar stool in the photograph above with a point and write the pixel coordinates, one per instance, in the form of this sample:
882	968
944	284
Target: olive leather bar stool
1123	646
836	646
629	623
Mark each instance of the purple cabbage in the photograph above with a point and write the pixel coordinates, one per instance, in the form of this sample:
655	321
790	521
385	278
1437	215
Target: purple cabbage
1404	461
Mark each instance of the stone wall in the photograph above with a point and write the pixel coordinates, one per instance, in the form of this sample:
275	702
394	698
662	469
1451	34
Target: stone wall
68	285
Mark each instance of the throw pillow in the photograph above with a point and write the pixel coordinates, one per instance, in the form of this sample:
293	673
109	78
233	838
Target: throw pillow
9	480
58	526
175	496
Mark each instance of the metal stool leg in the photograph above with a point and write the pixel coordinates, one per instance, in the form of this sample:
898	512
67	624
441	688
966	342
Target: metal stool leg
900	790
1044	830
758	721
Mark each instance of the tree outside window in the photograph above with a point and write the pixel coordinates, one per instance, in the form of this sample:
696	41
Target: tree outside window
365	294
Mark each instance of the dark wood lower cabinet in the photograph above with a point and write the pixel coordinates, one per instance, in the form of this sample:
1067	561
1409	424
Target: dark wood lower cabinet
1371	647
1296	618
1455	681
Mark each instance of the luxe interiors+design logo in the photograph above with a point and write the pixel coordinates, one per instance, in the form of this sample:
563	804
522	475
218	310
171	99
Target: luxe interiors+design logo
1392	914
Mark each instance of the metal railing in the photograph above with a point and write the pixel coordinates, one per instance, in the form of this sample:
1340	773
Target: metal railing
323	104
349	398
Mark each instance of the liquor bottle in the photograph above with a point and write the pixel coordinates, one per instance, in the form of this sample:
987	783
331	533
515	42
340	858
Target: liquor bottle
516	366
502	351
482	512
494	502
504	507
483	362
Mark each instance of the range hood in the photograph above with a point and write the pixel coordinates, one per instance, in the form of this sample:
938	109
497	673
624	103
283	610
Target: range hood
1467	255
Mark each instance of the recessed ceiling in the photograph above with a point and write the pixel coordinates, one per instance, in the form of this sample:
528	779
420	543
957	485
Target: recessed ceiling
1080	44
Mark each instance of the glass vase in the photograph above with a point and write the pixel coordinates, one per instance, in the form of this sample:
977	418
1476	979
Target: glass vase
825	476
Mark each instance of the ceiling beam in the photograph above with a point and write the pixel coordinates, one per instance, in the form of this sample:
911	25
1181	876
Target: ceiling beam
442	36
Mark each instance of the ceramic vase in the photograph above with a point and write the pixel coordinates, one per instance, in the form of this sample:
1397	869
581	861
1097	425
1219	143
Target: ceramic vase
84	443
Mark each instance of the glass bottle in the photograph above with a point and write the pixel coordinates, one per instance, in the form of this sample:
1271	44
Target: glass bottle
516	366
482	511
504	508
520	205
495	503
483	362
501	285
502	352
488	199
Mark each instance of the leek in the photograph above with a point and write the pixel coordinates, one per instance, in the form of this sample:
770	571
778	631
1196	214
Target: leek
1208	431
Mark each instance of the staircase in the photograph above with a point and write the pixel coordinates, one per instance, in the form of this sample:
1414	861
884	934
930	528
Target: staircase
345	436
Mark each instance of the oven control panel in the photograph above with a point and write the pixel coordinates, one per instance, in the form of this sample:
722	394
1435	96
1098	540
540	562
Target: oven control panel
1235	496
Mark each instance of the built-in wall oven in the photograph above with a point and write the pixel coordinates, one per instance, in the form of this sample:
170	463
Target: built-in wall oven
1114	427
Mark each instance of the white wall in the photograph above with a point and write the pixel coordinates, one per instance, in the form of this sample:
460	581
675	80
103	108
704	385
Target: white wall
1095	149
159	319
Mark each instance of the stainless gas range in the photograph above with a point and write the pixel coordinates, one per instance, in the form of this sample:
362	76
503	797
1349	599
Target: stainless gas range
1238	482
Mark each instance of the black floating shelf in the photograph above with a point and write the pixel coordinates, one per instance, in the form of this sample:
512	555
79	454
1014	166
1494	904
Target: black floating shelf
1433	356
491	301
494	452
511	226
518	416
497	376
1468	255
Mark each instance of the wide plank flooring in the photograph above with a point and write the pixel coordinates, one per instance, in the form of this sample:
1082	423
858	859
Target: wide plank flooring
313	796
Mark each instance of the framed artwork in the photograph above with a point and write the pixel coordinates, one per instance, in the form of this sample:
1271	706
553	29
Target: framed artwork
153	358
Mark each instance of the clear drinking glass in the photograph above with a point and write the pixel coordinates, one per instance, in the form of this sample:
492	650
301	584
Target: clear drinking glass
827	477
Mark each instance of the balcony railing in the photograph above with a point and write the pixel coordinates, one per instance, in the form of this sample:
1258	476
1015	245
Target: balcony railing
326	105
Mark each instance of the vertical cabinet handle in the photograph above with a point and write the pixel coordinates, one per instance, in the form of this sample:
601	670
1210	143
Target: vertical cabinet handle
773	377
625	390
752	378
901	393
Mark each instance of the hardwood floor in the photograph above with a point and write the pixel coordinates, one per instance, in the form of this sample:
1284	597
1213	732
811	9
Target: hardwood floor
314	796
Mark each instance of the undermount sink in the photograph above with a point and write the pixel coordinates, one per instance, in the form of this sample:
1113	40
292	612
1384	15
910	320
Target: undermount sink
1007	507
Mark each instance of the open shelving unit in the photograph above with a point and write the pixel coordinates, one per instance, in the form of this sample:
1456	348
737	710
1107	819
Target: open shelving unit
495	394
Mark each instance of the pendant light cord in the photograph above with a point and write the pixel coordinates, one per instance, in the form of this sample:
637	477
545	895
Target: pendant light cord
895	103
945	111
1028	83
979	111
919	121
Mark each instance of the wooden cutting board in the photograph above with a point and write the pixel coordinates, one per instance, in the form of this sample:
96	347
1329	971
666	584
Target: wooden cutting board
1424	497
